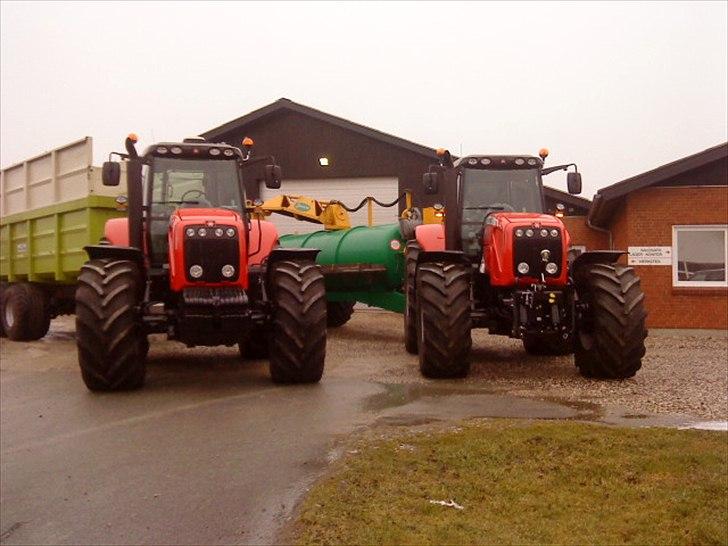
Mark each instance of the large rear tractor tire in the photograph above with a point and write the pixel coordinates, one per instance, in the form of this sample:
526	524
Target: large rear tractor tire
25	312
610	337
444	324
547	345
298	337
410	300
338	313
111	343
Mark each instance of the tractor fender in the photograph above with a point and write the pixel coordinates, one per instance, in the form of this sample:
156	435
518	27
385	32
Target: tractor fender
261	242
442	256
595	257
430	237
116	231
280	254
115	252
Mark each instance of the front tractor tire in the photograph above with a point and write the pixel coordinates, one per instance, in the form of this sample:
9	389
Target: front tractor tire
610	333
338	313
410	301
298	338
444	324
111	343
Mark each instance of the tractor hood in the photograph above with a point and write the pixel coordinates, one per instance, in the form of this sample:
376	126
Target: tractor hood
526	218
204	216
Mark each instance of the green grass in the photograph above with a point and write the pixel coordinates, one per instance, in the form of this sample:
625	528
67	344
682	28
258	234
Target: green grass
524	483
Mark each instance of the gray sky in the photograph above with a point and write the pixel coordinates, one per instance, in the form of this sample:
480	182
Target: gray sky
616	88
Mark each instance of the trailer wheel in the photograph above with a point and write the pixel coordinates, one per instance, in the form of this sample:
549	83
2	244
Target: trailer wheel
338	313
547	345
298	337
25	313
256	345
610	337
3	288
111	344
410	302
443	302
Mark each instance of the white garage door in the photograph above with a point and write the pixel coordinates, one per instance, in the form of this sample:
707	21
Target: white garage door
349	191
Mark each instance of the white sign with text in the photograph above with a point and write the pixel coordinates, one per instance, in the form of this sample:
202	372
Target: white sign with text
649	255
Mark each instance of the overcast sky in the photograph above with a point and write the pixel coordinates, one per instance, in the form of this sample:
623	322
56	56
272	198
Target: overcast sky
616	88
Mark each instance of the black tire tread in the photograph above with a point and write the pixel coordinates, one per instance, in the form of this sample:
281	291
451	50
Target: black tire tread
298	338
443	299
32	314
412	250
618	315
339	313
111	344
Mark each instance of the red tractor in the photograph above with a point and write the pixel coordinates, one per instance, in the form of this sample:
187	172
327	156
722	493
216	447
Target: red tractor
189	262
500	263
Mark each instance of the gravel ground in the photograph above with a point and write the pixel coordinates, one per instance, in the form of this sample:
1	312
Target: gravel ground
682	373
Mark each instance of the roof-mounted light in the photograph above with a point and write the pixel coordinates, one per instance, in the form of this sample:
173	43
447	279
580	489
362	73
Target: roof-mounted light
248	142
543	153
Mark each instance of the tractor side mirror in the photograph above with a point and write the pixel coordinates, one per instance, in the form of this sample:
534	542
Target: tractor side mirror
573	183
429	180
110	173
273	175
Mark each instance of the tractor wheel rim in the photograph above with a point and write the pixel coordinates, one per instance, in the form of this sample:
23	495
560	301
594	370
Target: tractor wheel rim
9	316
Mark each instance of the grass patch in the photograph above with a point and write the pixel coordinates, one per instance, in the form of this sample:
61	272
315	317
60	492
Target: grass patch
525	483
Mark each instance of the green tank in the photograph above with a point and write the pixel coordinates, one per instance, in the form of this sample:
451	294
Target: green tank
362	263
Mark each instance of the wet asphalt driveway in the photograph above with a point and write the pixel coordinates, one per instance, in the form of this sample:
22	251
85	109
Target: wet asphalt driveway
210	451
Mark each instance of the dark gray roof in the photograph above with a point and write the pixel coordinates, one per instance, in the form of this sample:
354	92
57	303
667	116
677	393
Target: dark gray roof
284	104
567	198
608	199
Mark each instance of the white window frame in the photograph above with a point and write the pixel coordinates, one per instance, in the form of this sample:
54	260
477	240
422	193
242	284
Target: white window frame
698	284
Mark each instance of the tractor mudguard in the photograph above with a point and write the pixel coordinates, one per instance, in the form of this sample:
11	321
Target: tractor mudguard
442	256
263	238
281	254
430	237
116	231
597	256
114	252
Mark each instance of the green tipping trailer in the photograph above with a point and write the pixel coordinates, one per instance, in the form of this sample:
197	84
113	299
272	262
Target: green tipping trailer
361	264
51	206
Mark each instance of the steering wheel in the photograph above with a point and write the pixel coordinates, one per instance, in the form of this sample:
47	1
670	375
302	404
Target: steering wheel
503	206
201	198
199	193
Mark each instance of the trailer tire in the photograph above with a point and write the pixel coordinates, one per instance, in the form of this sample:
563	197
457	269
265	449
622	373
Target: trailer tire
25	312
410	298
298	337
3	288
547	345
338	313
111	343
444	323
610	335
256	345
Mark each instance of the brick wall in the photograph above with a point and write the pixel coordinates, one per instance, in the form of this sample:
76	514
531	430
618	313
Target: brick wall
581	234
646	219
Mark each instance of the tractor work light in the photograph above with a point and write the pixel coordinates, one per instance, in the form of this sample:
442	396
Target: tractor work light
551	268
215	151
554	233
176	150
202	232
227	271
219	232
162	150
519	233
472	161
485	161
523	268
190	232
230	232
519	161
544	233
324	161
529	233
228	152
196	271
532	161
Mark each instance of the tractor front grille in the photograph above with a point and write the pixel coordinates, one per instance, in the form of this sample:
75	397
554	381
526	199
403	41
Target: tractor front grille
211	253
528	249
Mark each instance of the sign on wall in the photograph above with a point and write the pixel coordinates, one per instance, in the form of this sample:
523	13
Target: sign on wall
649	255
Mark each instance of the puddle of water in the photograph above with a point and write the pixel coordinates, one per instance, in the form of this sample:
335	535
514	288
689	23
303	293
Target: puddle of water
707	425
400	394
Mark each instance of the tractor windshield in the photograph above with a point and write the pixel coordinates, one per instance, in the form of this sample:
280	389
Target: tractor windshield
488	190
188	183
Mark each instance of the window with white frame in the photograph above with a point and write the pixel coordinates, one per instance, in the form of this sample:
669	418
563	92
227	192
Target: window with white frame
699	255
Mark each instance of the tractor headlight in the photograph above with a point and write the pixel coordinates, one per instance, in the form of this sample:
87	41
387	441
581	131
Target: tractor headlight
554	233
551	268
228	271
190	232
523	268
544	233
219	231
519	233
202	232
230	232
529	233
196	271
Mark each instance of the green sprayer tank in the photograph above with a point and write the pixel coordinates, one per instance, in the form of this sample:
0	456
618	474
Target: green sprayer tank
364	264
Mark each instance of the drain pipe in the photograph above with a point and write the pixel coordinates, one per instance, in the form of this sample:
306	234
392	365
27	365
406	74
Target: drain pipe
597	202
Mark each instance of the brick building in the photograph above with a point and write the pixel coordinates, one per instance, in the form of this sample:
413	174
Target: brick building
674	222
